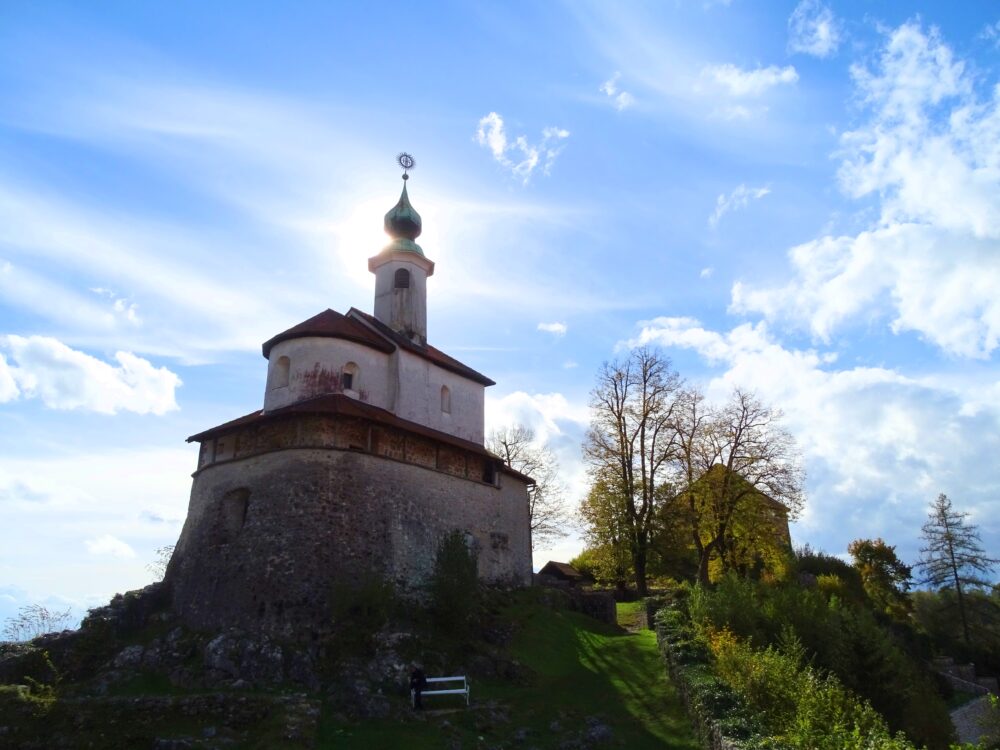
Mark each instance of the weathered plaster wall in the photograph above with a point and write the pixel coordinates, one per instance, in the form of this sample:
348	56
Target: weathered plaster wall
267	537
403	310
315	367
419	384
402	383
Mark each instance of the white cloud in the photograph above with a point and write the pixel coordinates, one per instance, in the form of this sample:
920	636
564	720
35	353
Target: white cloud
878	445
929	151
738	199
65	378
107	545
570	364
813	29
8	386
739	82
558	329
706	273
122	306
991	33
492	134
53	505
620	99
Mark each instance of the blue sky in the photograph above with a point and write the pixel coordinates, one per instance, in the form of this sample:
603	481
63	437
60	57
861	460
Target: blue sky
802	199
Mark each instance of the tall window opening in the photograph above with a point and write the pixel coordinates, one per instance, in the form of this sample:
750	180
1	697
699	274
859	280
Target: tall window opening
349	377
402	279
445	399
232	515
281	368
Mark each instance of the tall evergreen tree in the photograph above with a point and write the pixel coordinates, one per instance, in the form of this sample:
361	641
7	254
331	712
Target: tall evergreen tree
953	557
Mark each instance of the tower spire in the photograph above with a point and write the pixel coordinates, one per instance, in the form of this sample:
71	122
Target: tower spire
401	269
403	223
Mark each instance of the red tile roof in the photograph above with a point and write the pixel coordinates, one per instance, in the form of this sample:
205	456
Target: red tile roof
331	324
343	405
428	352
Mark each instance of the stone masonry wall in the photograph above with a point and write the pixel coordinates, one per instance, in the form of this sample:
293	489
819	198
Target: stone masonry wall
268	536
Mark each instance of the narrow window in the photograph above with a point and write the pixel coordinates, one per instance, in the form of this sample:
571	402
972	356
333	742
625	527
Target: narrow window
281	368
232	515
489	472
445	399
349	376
402	279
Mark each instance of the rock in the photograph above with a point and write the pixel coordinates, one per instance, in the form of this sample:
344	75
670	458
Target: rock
597	732
130	656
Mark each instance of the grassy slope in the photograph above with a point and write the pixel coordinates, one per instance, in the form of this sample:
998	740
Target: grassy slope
584	669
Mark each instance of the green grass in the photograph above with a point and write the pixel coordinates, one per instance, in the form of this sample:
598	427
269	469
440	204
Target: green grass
630	614
583	669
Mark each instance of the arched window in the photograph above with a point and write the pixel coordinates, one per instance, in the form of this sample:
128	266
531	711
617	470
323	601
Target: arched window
402	279
350	376
281	368
445	399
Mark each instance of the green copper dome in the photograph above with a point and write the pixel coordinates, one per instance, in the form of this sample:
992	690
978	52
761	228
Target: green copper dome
403	224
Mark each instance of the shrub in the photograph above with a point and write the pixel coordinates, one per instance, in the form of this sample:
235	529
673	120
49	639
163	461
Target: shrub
454	585
799	705
845	640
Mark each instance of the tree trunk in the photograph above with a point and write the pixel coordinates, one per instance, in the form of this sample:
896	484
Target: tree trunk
639	563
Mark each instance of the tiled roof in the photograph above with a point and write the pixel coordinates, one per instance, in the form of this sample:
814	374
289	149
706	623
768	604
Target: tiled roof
331	324
343	405
564	569
428	352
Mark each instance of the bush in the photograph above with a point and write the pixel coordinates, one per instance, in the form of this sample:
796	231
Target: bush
454	585
360	609
798	704
844	640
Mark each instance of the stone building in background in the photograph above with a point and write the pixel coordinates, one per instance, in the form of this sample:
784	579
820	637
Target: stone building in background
367	452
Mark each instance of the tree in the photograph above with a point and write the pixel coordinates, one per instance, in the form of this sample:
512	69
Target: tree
728	458
546	507
631	440
454	583
606	531
953	557
885	577
159	566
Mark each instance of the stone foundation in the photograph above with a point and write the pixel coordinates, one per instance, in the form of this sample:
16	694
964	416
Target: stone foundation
269	537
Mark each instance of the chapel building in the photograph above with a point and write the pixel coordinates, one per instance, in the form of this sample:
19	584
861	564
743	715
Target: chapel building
367	452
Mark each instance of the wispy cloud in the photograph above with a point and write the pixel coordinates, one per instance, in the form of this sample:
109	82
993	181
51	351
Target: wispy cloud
813	29
748	83
620	99
991	33
557	329
64	378
738	199
706	273
492	134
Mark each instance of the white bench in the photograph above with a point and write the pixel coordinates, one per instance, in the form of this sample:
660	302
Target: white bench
464	690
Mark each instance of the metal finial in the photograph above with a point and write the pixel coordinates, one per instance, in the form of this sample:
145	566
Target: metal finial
406	162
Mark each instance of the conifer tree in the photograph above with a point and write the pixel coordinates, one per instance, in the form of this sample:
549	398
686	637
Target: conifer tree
953	557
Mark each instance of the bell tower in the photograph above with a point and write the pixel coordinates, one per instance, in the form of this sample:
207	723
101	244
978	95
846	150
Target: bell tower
401	270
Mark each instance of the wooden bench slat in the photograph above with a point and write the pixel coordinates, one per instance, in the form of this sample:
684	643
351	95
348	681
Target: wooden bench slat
464	690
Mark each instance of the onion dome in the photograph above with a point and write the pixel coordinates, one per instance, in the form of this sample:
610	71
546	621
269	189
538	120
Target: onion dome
402	223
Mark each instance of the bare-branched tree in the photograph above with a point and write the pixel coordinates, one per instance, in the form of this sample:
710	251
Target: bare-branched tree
159	565
632	440
520	451
734	454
